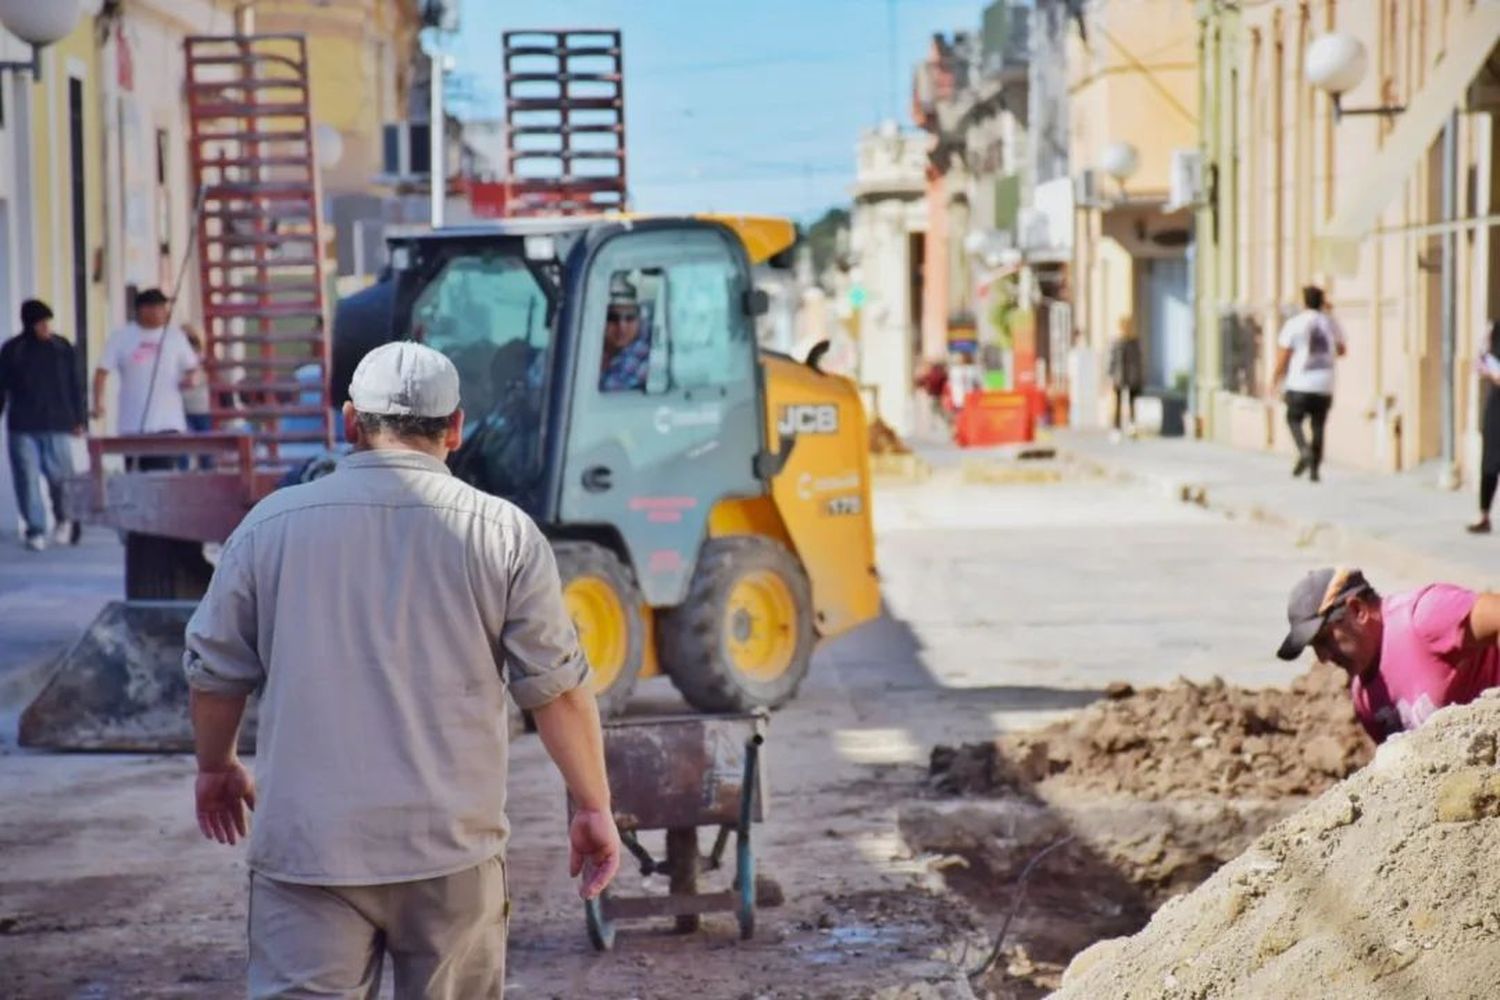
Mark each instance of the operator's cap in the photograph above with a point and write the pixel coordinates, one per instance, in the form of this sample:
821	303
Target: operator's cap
405	378
1315	596
622	291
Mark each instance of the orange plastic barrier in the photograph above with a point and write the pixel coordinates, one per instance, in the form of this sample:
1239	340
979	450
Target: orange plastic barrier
990	418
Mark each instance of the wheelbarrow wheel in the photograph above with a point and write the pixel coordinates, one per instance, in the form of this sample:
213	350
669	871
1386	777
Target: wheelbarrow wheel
601	928
744	879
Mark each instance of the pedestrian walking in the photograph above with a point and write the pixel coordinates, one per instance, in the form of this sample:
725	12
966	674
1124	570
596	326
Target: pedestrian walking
1128	375
41	393
1488	365
196	405
383	612
932	384
1407	655
1307	347
154	363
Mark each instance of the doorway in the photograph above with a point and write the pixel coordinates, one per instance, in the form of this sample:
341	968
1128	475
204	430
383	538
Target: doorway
1169	325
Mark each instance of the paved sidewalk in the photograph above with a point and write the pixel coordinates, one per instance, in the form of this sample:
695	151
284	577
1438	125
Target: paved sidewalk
1403	520
46	600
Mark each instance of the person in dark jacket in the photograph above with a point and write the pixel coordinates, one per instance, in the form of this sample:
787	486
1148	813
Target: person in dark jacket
41	391
1489	427
1127	375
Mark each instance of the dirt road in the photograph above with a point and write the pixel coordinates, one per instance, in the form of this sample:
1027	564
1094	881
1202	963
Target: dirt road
1009	605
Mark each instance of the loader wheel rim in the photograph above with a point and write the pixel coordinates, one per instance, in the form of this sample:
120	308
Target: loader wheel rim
760	626
603	634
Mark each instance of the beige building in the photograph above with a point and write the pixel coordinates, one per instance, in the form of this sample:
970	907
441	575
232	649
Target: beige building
1133	111
1376	207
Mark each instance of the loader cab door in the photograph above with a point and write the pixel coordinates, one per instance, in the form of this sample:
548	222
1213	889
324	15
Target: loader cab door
665	415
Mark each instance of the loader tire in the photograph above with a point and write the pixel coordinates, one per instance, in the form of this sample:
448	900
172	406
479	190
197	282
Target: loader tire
743	638
605	605
164	569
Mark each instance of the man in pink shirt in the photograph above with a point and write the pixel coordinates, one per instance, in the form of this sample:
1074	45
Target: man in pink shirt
1407	655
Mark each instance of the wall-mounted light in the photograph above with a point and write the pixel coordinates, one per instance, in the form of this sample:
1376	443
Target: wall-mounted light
1336	64
38	23
1120	160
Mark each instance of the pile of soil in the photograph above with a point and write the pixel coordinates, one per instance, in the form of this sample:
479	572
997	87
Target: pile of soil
885	441
1383	886
1181	741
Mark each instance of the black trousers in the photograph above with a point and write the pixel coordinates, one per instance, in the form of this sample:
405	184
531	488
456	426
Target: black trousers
1312	408
1125	396
1487	483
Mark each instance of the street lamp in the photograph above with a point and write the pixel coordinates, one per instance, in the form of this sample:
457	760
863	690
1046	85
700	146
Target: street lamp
38	24
1335	64
1120	160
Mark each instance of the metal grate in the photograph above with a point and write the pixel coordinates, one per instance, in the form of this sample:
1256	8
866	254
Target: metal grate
260	243
565	122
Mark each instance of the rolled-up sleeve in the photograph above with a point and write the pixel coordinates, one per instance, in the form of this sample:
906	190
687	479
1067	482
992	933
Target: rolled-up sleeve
222	655
539	643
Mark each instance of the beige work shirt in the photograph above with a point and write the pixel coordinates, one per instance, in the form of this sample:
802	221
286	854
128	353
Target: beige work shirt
386	609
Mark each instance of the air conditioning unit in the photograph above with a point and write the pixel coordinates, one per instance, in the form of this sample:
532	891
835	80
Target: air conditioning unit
1186	188
1086	187
406	152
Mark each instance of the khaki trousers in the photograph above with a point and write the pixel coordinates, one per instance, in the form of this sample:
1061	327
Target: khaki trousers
445	937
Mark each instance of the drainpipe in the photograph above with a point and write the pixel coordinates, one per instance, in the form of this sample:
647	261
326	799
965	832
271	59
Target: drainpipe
438	170
1448	476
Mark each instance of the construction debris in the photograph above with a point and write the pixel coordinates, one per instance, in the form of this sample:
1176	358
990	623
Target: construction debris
885	441
1185	740
1381	887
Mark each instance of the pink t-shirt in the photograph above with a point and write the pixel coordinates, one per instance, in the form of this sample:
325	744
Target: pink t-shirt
1427	661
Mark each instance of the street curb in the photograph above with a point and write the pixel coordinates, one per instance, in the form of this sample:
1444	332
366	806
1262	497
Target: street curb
1353	545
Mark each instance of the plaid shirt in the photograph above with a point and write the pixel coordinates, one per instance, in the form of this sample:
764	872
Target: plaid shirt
626	371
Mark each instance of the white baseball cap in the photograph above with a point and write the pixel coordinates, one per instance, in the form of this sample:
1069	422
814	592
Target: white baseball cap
405	378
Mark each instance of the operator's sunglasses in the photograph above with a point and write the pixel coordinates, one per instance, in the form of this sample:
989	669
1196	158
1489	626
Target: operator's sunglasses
625	316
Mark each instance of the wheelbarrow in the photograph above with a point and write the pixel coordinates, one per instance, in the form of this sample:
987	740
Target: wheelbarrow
676	774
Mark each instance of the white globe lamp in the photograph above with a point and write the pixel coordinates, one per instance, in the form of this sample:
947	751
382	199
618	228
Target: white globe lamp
1335	63
38	23
1120	160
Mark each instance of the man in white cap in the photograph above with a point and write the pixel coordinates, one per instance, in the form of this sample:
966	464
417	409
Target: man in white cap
383	612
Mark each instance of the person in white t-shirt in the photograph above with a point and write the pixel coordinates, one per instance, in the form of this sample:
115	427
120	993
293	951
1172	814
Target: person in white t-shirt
154	362
1308	346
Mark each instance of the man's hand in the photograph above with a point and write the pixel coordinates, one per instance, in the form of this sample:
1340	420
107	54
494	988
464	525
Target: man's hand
594	850
223	797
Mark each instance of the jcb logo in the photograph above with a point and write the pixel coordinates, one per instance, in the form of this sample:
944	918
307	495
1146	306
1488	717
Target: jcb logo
809	419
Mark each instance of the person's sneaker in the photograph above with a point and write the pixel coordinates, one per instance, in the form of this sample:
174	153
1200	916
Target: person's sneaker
76	533
1300	467
63	533
1479	527
1313	475
36	543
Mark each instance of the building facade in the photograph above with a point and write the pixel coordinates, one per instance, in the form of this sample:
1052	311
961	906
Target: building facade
1132	109
1390	212
887	238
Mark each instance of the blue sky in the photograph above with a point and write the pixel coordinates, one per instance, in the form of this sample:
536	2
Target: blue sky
751	106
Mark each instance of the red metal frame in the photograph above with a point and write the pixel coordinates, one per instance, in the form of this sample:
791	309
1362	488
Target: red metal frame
260	240
551	101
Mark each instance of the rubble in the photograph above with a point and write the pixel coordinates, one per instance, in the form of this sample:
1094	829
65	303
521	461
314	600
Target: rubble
1184	740
1382	886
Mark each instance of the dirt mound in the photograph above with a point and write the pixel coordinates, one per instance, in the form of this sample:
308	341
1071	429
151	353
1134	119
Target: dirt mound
1185	740
885	441
1384	886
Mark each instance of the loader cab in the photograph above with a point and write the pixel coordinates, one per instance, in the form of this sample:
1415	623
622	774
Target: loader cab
593	436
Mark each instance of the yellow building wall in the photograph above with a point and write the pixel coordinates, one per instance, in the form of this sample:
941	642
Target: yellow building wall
1293	162
51	172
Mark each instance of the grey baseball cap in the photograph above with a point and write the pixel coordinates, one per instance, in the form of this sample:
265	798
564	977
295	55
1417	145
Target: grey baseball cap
405	378
1317	595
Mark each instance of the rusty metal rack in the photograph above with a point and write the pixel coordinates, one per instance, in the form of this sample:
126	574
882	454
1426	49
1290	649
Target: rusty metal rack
259	235
565	122
676	774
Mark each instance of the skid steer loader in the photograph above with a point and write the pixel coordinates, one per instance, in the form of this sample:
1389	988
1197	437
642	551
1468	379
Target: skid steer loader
710	511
